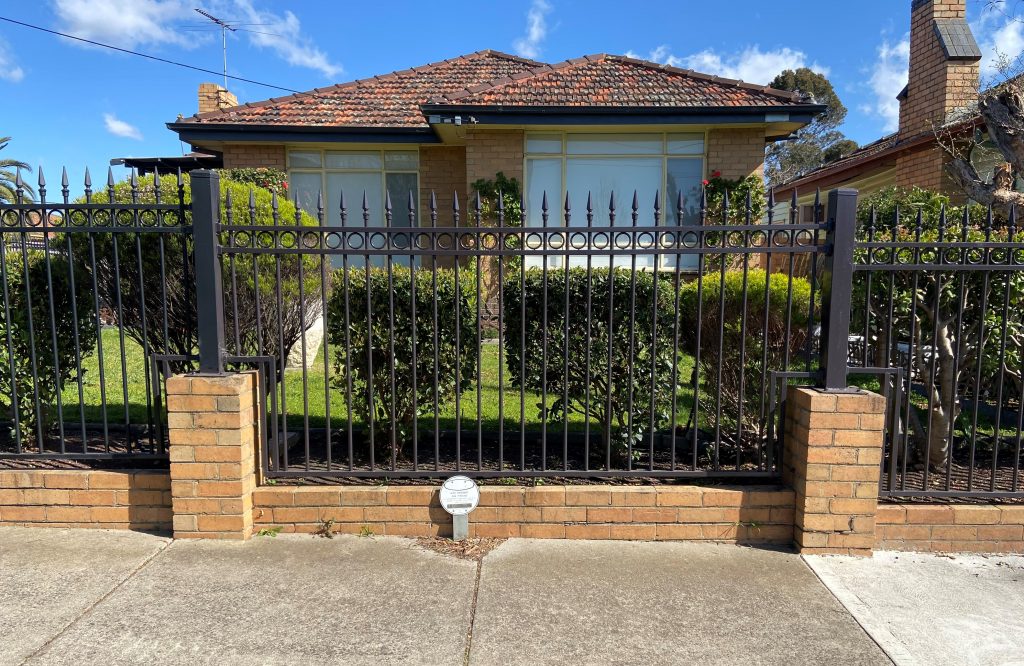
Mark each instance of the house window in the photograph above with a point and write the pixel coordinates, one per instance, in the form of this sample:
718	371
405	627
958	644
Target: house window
601	164
355	172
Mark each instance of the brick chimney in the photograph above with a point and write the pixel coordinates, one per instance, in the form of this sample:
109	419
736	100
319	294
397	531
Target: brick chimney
213	97
944	66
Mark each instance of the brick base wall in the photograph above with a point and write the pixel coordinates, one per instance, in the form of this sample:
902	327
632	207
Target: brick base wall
241	155
950	528
736	153
138	500
737	515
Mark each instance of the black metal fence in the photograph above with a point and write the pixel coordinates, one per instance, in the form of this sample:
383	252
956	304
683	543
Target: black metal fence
603	343
607	341
93	290
941	299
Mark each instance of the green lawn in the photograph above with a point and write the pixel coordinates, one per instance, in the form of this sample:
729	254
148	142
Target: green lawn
117	384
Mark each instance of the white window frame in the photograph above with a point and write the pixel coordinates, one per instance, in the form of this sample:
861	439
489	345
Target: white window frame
353	202
623	205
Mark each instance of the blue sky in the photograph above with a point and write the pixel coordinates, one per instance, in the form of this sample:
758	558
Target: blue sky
76	105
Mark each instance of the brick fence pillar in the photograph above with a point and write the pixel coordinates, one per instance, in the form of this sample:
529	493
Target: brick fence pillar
833	454
212	450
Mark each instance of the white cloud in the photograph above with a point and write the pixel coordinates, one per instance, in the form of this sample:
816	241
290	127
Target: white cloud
751	64
529	44
1001	39
133	23
9	69
282	33
888	77
118	127
125	24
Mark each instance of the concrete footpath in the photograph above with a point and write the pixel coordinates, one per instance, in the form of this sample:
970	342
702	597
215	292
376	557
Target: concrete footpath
97	597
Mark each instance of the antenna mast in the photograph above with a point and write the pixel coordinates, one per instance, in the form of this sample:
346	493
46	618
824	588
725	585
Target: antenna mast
224	27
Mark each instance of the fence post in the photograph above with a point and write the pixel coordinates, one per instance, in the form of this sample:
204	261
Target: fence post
835	316
208	284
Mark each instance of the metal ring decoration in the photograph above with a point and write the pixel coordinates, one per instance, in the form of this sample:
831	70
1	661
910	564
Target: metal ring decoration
489	241
534	241
287	240
265	239
311	240
578	240
668	239
691	239
149	218
645	239
332	240
758	238
556	241
77	218
904	255
623	240
735	239
780	238
805	238
467	241
354	240
974	256
124	218
600	241
377	241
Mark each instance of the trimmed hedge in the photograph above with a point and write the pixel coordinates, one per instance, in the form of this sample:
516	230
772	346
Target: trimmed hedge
370	340
743	374
616	392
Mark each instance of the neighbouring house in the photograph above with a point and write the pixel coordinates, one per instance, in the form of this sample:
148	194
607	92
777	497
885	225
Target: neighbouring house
941	94
597	124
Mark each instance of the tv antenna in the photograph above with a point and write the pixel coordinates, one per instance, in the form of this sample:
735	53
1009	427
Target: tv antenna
224	27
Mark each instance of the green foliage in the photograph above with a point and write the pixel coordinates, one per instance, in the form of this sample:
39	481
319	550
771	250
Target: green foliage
274	180
370	340
511	193
741	346
818	143
898	307
8	175
620	393
140	260
29	296
738	190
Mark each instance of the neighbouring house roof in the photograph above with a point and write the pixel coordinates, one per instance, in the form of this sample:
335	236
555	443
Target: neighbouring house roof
186	163
865	157
406	101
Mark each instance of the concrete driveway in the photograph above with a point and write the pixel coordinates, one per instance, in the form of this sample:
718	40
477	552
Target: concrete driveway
92	597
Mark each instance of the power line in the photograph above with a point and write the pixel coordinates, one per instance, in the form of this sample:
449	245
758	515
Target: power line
156	58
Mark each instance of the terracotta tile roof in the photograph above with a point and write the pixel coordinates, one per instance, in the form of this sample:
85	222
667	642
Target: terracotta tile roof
492	78
616	81
389	100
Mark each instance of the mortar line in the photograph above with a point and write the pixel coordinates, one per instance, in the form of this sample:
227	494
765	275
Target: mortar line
115	588
472	612
848	598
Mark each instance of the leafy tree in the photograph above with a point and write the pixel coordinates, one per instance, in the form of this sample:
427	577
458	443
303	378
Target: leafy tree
819	143
8	174
948	319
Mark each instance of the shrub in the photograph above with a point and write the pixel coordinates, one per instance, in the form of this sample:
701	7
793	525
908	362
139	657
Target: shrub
276	323
274	180
54	367
370	341
619	393
743	374
738	190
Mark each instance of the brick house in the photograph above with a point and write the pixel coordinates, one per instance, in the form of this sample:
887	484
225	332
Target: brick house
942	92
603	123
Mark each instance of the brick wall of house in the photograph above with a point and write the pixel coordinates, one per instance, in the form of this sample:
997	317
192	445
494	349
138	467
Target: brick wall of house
490	151
743	515
254	155
737	153
443	171
139	500
924	167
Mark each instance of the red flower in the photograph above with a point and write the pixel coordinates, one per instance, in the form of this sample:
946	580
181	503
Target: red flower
716	174
285	184
706	182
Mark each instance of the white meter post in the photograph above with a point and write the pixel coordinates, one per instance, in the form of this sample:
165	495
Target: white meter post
459	496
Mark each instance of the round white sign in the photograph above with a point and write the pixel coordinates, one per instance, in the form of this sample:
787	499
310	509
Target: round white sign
459	495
